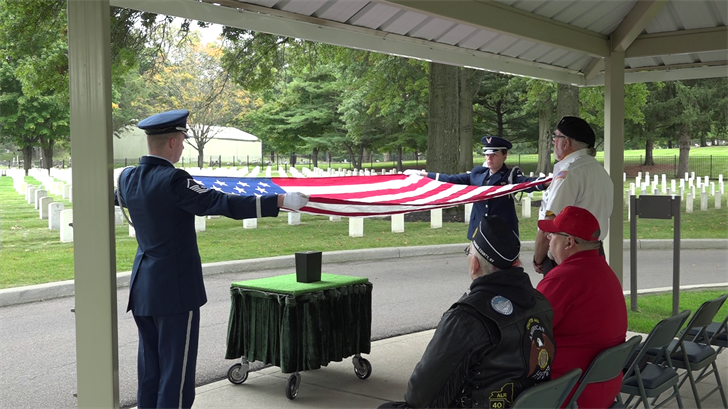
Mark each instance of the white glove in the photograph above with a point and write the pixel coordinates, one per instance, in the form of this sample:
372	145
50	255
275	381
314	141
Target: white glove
409	172
294	200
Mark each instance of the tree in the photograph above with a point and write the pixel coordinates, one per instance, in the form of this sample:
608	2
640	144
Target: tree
443	125
192	77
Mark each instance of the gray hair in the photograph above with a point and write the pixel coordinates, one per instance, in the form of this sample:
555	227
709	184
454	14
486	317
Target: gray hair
485	267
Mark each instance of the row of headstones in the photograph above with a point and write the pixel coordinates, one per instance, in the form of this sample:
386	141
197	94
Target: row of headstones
640	187
59	218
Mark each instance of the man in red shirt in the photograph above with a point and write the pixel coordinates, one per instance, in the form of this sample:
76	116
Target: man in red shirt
590	314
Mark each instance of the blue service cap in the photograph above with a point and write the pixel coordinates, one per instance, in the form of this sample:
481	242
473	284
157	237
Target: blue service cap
493	144
166	122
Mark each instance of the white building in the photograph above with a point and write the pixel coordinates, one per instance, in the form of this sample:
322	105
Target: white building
227	143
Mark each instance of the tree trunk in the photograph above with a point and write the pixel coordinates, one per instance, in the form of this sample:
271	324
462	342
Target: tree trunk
465	161
200	159
47	152
499	115
544	138
359	158
649	146
567	101
399	159
293	159
669	144
442	141
27	158
703	142
314	157
683	163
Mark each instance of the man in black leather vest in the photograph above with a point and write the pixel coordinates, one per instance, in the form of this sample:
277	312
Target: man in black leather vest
495	341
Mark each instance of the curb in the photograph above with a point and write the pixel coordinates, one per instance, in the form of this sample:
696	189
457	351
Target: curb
47	291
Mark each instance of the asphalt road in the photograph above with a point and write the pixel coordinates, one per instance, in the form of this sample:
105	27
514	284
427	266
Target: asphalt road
38	360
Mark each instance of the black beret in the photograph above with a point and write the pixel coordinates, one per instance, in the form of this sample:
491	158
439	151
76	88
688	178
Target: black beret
492	144
165	122
496	242
577	129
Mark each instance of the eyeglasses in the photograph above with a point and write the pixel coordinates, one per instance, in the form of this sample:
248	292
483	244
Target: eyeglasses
467	251
554	137
550	235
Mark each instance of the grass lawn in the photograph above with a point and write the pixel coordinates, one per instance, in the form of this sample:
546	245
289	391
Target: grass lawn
655	307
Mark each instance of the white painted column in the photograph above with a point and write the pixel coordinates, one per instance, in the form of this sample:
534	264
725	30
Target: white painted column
614	154
89	61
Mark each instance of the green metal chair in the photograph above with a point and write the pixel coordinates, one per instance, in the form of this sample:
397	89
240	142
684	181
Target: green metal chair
654	378
694	353
606	366
549	394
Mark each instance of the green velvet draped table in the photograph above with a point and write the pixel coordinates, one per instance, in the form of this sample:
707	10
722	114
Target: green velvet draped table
299	326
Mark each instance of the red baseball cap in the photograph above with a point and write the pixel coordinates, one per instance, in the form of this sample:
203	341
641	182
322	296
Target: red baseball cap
574	221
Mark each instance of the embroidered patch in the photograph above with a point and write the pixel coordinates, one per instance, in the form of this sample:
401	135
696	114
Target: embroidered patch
195	187
561	175
542	350
502	398
502	304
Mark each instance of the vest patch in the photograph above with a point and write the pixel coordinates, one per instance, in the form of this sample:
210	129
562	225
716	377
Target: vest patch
502	398
502	304
542	350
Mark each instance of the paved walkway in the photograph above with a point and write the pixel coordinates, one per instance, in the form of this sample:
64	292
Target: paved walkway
336	386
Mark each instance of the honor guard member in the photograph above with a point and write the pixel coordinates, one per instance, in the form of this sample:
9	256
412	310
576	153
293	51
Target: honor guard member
579	180
493	343
494	172
166	289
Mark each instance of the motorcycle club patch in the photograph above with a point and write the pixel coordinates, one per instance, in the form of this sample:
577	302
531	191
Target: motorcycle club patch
502	304
195	187
542	350
502	398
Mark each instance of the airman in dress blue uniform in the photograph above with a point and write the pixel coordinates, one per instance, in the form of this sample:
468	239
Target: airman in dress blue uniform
166	289
493	173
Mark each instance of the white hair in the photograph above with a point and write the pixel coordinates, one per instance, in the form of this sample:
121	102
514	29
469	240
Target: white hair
485	267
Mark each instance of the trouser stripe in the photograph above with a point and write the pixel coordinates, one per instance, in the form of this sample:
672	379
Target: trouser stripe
184	360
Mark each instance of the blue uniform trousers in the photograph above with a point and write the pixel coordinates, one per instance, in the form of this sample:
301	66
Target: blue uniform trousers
167	359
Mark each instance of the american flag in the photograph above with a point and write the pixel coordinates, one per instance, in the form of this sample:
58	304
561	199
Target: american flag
362	196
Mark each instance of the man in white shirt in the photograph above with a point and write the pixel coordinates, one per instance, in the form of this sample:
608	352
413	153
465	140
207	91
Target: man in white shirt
578	180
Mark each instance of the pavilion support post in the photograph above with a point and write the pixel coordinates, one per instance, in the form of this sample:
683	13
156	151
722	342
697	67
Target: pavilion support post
614	155
89	60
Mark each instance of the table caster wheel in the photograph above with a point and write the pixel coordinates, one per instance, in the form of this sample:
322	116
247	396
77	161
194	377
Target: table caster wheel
292	385
236	374
362	368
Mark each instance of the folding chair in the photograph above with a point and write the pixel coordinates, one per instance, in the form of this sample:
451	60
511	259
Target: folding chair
717	333
607	365
694	353
654	379
549	394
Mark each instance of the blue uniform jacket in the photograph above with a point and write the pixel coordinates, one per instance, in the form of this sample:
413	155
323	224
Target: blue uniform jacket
502	207
163	201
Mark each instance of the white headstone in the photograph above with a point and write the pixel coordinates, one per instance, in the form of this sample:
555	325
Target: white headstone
703	201
43	207
692	175
624	176
717	200
39	194
213	216
250	223
712	188
699	182
689	203
294	218
644	190
655	190
66	229
639	176
673	186
638	182
669	192
525	207
468	212
687	176
118	216
682	192
398	223
70	193
632	189
664	183
200	223
22	188
132	231
629	207
66	191
54	215
692	190
682	183
30	194
334	218
705	181
436	218
356	227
